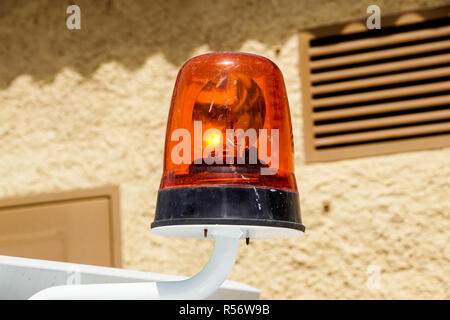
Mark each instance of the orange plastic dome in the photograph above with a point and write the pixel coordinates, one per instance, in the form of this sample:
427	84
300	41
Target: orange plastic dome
229	138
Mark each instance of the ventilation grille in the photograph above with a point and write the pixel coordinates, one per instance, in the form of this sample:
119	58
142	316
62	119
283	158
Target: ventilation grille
377	91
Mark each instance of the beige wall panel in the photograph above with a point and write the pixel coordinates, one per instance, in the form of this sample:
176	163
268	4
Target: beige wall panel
74	232
81	226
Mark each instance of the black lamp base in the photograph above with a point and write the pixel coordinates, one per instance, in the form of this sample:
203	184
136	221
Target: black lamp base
228	206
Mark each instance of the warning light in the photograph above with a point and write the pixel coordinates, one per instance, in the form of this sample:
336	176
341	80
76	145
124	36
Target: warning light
229	153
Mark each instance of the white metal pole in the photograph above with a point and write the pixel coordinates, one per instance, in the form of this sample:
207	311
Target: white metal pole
200	286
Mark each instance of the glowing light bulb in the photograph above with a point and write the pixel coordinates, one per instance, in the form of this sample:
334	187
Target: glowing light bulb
214	140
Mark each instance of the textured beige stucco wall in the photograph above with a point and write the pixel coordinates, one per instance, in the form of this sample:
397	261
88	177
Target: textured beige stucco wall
88	108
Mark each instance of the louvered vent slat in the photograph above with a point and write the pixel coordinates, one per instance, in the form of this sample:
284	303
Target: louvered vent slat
381	68
382	108
383	122
382	134
371	92
381	54
382	80
387	40
365	97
